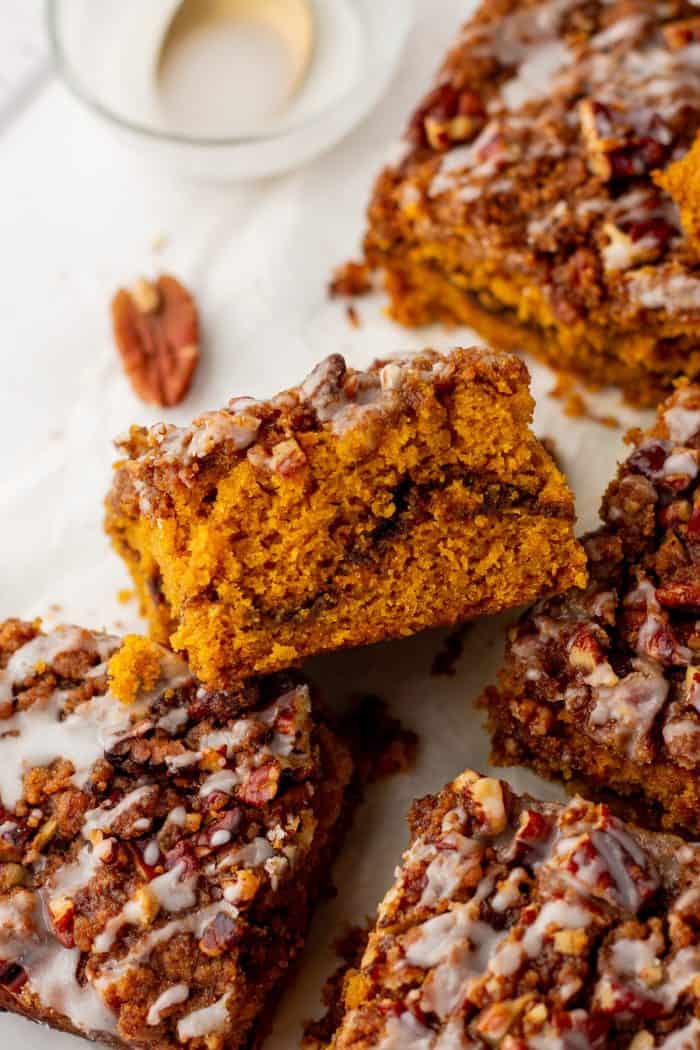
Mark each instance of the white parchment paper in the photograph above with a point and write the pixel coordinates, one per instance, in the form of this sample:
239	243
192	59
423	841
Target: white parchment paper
78	216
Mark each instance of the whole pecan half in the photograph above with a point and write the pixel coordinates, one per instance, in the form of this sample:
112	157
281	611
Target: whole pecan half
156	329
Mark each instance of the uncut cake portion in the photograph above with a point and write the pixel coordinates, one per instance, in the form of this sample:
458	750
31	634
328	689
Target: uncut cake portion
355	507
603	684
527	925
524	204
161	845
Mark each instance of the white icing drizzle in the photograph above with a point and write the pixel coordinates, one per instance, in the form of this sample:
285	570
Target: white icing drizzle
456	947
45	648
683	422
618	32
206	1021
664	289
172	996
557	914
253	855
173	720
195	923
681	462
446	870
104	818
685	1038
624	713
534	78
151	853
213	428
40	735
582	863
169	891
405	1032
71	877
177	816
51	969
52	976
43	732
224	780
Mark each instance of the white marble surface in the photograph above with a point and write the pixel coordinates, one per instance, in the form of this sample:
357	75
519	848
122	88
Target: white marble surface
78	216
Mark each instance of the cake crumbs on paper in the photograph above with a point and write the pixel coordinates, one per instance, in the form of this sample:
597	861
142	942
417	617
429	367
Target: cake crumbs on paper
134	668
353	316
125	595
351	279
445	662
349	949
381	746
575	405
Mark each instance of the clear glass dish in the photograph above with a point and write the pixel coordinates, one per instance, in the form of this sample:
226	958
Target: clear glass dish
106	55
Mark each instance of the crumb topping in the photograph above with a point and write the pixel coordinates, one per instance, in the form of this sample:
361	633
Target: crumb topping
539	140
132	833
332	396
529	926
622	657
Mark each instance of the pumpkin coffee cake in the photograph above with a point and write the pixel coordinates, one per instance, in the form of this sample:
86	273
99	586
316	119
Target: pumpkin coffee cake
161	846
355	507
525	203
603	684
527	925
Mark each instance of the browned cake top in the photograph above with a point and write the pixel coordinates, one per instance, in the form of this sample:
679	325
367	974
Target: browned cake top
540	137
623	655
143	840
530	926
333	397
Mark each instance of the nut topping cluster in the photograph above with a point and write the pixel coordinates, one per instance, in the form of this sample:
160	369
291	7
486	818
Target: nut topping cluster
527	925
149	844
618	664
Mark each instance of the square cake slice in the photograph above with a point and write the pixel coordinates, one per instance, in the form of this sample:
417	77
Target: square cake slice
525	204
527	925
603	684
161	846
355	507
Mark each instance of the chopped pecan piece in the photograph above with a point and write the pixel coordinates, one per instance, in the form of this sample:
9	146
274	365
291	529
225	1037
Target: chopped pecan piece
284	458
447	116
62	912
156	329
682	592
639	242
679	34
222	933
617	149
262	785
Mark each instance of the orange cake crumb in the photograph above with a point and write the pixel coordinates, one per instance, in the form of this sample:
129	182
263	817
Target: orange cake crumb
134	667
682	181
355	507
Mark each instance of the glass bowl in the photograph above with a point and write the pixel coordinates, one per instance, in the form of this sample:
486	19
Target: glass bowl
107	55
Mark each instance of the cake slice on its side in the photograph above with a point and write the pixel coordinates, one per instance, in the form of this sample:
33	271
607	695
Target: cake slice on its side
524	204
161	846
603	684
356	507
527	925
